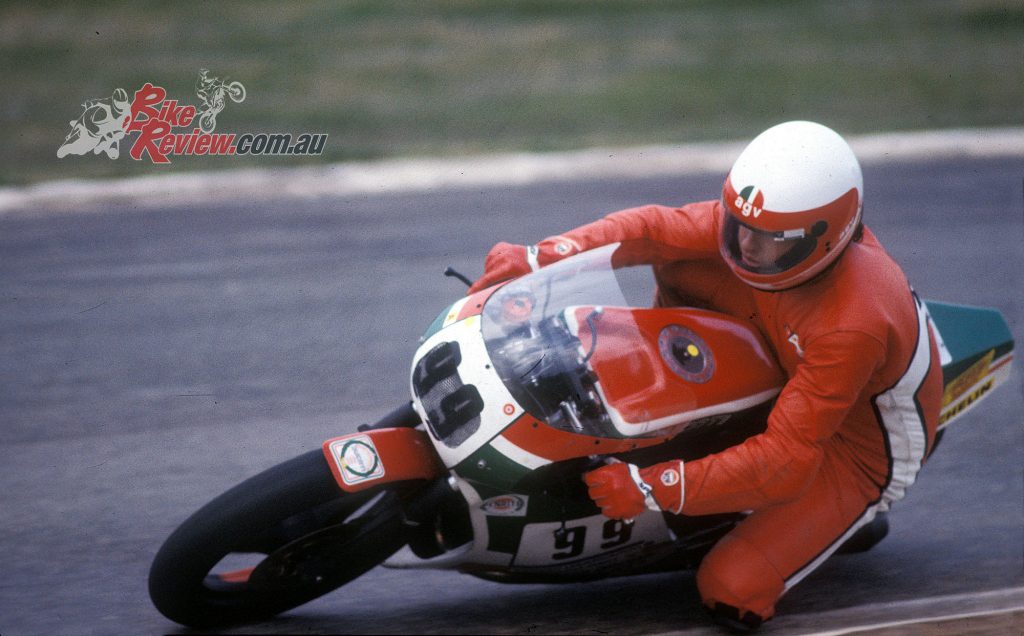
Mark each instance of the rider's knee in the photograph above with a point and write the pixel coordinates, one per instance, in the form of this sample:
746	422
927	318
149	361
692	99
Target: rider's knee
738	585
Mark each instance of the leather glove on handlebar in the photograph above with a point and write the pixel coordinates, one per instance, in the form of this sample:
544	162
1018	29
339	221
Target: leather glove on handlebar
623	491
504	261
507	260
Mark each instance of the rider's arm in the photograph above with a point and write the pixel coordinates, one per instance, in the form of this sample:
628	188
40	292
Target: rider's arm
649	234
777	465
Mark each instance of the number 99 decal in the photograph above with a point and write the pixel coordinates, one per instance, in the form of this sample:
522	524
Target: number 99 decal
571	540
553	543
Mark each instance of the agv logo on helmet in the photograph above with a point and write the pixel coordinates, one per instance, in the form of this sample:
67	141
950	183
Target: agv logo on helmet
750	201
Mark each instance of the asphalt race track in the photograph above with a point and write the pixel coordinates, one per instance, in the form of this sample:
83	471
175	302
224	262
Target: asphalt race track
151	358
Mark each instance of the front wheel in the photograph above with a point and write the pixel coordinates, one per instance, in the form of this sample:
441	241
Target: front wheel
274	542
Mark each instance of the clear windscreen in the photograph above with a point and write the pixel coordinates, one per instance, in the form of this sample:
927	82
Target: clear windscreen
540	331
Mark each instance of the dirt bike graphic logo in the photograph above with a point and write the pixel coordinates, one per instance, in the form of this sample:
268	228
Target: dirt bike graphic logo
213	93
100	127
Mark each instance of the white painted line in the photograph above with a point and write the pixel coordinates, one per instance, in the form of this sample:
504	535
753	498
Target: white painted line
920	621
415	175
876	616
882	615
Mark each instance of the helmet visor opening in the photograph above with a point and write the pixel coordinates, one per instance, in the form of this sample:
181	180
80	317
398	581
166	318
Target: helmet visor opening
761	252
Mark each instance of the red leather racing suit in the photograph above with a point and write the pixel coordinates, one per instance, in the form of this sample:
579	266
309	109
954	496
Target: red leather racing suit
850	429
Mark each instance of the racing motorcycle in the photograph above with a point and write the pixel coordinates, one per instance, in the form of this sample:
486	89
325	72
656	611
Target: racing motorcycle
517	391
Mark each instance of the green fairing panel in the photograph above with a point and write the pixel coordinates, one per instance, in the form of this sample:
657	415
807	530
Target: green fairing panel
489	468
437	324
969	333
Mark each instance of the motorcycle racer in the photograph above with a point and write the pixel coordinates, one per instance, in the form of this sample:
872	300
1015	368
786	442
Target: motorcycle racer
785	248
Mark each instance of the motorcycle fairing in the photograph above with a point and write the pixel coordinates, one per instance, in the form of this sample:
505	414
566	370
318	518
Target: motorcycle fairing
551	444
362	460
470	383
662	368
549	539
461	309
523	348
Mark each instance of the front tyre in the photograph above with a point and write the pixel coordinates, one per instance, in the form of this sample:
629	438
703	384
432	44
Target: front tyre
304	534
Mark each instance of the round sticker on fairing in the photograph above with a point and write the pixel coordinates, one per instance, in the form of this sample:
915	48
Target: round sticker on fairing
686	354
359	461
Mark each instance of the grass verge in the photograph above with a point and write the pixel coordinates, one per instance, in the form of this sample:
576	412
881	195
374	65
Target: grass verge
388	79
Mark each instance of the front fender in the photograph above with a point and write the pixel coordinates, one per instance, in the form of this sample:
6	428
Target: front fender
362	460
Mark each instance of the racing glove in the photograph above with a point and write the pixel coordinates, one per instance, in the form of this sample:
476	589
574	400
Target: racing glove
623	491
507	260
504	261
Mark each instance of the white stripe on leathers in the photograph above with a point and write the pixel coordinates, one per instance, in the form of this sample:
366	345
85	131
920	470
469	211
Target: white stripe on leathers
906	440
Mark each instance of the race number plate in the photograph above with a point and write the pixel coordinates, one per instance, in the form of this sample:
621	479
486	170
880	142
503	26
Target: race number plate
546	544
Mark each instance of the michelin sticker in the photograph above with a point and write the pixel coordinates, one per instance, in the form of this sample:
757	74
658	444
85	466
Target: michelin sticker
358	459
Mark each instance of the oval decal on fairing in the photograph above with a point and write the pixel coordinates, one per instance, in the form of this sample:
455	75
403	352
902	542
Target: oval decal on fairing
686	354
506	506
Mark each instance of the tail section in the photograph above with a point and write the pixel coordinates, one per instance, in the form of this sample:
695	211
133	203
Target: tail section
976	347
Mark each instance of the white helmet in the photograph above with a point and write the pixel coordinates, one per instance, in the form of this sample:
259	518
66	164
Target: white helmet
799	186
